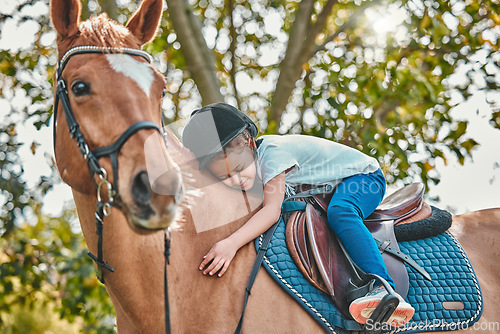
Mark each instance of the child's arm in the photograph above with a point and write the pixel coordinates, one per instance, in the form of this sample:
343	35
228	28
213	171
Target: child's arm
223	252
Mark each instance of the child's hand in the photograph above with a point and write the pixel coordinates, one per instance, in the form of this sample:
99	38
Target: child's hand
221	255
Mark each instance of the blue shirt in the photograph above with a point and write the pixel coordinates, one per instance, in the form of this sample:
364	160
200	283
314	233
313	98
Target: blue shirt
311	160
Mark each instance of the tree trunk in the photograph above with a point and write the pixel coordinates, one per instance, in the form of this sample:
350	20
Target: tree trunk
301	47
290	68
199	58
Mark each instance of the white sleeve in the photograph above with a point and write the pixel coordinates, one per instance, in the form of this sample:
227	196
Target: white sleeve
273	161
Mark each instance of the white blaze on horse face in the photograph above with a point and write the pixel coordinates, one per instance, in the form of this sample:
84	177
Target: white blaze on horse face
138	71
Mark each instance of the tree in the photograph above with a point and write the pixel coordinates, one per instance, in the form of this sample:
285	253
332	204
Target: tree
333	75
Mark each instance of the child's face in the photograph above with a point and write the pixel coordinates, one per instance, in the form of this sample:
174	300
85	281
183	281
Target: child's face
237	170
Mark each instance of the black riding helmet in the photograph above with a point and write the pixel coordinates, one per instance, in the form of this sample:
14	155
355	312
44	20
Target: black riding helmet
210	129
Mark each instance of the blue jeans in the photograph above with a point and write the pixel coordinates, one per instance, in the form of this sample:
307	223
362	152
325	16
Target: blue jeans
355	198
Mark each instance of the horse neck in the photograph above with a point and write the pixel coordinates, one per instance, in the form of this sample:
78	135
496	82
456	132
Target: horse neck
213	212
221	211
137	259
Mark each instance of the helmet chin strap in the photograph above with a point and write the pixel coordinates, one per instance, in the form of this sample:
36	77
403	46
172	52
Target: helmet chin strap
251	144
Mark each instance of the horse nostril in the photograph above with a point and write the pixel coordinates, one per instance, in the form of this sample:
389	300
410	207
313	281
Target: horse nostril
141	190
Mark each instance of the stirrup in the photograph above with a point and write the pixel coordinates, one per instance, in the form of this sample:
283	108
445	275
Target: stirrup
384	309
381	314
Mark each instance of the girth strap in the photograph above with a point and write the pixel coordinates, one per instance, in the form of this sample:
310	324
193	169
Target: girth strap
165	280
287	206
255	270
384	247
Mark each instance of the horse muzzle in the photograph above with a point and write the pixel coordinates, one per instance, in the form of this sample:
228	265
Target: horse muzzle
155	203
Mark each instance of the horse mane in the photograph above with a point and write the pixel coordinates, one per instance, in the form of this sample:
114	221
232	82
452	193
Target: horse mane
104	32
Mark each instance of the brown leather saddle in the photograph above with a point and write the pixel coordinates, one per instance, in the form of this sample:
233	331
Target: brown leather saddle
320	256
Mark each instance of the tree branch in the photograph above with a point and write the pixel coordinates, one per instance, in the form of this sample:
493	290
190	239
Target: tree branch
199	58
232	49
349	24
316	28
290	68
381	112
303	50
298	32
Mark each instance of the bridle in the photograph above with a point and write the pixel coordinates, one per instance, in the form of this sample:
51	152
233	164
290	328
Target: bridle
91	157
103	207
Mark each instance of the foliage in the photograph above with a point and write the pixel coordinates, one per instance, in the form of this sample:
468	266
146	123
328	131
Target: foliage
47	281
330	71
326	68
44	271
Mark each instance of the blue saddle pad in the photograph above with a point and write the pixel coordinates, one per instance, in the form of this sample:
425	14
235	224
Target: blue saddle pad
453	279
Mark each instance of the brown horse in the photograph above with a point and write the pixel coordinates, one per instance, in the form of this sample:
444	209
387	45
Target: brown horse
198	304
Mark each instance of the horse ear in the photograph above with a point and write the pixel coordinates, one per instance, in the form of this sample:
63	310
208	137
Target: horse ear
65	16
145	21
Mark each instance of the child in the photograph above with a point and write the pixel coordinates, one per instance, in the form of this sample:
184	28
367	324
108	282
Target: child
222	139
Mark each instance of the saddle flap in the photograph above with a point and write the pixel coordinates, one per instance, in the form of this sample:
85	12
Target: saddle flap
384	232
320	257
320	241
299	249
329	257
299	237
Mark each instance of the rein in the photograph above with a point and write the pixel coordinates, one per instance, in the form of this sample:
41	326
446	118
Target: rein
103	207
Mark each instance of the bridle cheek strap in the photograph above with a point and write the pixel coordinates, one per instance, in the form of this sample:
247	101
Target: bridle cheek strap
73	127
112	150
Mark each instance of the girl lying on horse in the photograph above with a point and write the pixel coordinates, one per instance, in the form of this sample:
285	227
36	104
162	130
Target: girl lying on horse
223	140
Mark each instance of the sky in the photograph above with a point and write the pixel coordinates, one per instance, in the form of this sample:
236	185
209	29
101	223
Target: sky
476	184
473	186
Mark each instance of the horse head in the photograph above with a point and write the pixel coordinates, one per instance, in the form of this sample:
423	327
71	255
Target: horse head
109	99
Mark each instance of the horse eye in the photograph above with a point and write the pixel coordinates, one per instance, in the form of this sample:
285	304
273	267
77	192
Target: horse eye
164	92
80	88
